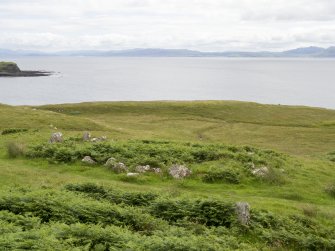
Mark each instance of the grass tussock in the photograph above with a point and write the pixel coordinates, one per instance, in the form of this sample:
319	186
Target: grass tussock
15	149
330	189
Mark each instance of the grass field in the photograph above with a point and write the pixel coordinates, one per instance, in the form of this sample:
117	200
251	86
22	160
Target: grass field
302	136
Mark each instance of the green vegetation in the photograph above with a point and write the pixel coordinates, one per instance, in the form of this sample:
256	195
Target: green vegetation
48	198
15	149
330	189
9	67
13	130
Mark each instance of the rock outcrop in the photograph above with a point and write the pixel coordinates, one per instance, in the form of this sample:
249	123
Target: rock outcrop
99	139
86	136
10	69
117	167
147	168
243	212
88	160
179	171
56	137
143	169
261	172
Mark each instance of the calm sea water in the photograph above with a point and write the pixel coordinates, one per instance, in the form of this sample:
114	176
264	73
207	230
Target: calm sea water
277	81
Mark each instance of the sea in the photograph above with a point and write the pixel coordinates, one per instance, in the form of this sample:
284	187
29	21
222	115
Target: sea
307	82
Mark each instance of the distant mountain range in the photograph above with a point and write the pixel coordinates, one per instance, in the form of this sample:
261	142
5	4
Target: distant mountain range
299	52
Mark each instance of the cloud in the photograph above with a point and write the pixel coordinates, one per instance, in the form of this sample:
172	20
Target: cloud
303	10
195	24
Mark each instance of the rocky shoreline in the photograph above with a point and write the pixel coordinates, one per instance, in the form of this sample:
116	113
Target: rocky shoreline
26	74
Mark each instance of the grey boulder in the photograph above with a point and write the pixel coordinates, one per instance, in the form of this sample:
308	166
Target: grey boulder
179	171
243	212
117	167
56	137
261	172
88	160
86	136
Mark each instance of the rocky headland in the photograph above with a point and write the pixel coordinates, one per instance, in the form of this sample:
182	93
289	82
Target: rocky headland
10	69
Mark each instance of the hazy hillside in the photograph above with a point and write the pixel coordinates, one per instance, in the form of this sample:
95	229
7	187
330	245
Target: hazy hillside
157	52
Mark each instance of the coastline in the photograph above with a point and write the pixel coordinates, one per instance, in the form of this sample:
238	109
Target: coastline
26	74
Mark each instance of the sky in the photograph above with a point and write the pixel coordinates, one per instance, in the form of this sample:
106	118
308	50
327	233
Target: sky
206	25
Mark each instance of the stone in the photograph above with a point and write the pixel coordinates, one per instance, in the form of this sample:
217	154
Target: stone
143	169
86	136
132	174
56	137
147	168
99	139
120	168
117	167
179	171
243	212
156	170
110	162
260	172
88	160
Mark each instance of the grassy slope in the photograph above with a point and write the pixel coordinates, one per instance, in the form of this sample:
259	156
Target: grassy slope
305	133
296	130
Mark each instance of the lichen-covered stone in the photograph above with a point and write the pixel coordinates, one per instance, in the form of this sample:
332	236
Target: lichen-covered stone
88	160
243	212
261	172
99	139
86	136
156	170
143	169
117	167
110	162
179	171
56	137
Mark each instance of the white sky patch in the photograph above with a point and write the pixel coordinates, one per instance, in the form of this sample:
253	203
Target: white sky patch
207	25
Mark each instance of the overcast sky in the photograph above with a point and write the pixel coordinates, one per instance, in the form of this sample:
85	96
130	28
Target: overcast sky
207	25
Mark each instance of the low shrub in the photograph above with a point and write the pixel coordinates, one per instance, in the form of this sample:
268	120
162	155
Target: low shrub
13	130
207	212
273	176
309	210
113	196
62	220
64	207
15	149
155	153
228	176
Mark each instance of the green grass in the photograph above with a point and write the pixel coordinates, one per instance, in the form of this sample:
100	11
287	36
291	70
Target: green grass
303	135
297	130
9	67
